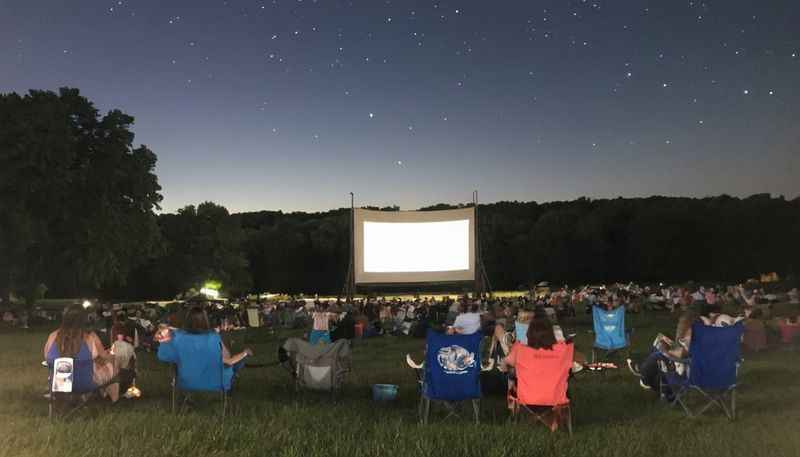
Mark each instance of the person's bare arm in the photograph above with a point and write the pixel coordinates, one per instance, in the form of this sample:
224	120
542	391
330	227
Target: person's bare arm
99	350
227	359
456	330
509	361
163	334
748	301
47	345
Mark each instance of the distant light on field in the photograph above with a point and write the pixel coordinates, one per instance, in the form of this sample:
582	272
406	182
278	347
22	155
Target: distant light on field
210	293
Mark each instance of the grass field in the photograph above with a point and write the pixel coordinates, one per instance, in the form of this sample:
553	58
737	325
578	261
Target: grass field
613	415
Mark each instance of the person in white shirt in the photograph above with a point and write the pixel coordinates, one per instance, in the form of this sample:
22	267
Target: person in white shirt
123	352
468	322
794	296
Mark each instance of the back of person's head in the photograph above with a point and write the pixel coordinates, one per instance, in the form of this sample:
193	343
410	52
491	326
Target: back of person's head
72	329
197	321
119	328
712	309
540	334
705	310
474	307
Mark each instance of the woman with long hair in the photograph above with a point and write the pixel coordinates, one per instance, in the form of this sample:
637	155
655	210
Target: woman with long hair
72	339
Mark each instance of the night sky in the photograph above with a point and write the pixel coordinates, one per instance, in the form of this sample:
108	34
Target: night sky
291	104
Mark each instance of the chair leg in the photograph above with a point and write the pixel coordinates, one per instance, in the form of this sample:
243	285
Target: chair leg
733	404
569	420
427	412
174	389
679	399
476	409
224	403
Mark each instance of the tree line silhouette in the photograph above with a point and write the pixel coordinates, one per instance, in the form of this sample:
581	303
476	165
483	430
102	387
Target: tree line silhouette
79	218
716	239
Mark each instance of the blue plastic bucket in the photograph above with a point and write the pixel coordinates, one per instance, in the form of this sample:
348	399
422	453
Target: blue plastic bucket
384	392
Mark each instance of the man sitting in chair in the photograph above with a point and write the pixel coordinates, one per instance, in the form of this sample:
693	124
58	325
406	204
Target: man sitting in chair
467	322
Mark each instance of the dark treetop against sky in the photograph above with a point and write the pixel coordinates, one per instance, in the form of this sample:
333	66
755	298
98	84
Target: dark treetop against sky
291	104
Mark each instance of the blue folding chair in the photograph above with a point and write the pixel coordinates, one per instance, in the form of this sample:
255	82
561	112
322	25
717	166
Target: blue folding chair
197	359
610	335
451	374
521	332
71	381
710	370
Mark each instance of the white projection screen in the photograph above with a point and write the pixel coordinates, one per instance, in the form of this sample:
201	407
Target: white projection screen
414	246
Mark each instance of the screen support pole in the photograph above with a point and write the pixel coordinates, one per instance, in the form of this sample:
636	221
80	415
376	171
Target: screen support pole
482	284
349	281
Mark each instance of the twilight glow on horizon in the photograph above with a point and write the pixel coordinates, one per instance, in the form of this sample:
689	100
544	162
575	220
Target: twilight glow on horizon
292	104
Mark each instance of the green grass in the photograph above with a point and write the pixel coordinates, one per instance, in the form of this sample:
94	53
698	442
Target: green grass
613	416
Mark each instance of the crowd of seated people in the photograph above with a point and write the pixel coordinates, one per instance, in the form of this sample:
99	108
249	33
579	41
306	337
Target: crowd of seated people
22	317
328	320
108	335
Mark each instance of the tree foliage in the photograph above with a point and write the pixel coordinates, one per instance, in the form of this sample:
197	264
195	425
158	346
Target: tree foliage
202	244
77	204
651	239
77	199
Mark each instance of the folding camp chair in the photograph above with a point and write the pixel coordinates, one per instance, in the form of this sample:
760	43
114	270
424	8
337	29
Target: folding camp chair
541	383
70	382
317	367
253	317
450	374
711	370
610	336
197	366
521	332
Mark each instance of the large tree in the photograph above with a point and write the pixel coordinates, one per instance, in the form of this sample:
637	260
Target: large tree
77	198
203	243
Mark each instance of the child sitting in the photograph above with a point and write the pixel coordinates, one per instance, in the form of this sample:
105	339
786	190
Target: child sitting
125	361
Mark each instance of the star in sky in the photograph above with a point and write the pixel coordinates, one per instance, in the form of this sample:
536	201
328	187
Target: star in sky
529	84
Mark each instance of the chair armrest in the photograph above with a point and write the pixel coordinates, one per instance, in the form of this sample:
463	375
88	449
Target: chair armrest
672	358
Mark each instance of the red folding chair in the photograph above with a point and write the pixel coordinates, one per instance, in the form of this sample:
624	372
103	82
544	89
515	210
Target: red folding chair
540	388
